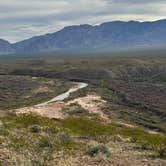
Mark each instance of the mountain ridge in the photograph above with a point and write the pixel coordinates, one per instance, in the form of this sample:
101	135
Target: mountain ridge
112	35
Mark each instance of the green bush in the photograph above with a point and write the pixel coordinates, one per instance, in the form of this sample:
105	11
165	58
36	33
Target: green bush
96	149
162	151
35	128
88	127
156	143
45	142
24	121
4	131
65	138
51	129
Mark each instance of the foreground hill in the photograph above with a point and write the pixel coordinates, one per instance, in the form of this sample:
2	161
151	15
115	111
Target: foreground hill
110	35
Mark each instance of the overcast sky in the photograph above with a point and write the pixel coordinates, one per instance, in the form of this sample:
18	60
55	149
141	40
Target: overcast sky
21	19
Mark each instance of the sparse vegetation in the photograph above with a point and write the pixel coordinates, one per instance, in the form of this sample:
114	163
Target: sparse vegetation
134	91
68	136
19	91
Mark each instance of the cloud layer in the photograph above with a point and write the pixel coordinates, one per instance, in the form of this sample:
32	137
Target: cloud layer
20	19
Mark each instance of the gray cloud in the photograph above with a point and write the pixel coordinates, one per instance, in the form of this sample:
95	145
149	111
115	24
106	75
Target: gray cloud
20	19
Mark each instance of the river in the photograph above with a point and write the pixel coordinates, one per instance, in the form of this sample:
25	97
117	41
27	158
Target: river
63	96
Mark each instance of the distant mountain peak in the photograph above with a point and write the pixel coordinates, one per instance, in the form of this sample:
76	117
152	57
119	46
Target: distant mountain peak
5	47
4	41
82	26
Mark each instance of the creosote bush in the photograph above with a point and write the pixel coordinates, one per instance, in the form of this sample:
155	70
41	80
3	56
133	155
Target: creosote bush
35	128
95	149
45	142
65	138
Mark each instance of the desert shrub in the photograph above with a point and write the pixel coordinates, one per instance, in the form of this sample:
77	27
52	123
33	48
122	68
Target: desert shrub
156	143
65	138
162	151
64	141
24	121
88	127
35	128
76	110
45	142
134	139
18	142
147	141
2	139
51	129
95	149
118	138
4	131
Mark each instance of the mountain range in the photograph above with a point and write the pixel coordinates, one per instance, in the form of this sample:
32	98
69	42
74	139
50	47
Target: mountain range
110	35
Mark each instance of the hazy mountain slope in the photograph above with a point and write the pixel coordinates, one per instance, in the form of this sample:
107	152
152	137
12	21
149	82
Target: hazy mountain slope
69	37
112	35
5	46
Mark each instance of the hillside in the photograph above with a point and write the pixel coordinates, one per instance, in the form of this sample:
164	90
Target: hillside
118	119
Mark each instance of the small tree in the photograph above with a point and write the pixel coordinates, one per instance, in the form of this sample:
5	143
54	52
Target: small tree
101	83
